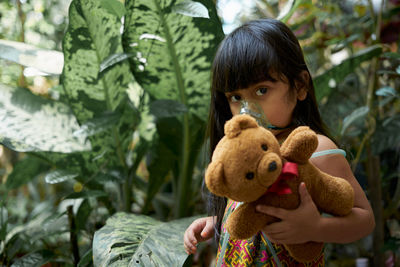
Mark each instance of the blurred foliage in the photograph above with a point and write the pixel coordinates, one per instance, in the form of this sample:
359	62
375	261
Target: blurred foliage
129	117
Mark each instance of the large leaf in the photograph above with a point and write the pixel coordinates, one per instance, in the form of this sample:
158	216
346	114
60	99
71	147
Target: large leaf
48	61
340	71
96	84
24	171
138	240
386	135
32	123
173	51
34	259
357	114
93	35
173	55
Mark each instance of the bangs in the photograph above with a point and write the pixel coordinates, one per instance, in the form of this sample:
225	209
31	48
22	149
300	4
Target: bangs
254	61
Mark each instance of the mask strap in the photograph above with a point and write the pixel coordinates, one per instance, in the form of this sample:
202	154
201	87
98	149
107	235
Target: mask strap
273	127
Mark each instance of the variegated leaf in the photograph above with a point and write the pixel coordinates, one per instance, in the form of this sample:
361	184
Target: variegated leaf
96	94
173	52
48	61
172	60
32	123
138	240
92	36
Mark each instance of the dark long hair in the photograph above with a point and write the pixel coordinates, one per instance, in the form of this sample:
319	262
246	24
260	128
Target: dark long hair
249	55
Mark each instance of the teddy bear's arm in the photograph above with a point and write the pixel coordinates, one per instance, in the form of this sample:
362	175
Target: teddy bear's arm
331	194
245	222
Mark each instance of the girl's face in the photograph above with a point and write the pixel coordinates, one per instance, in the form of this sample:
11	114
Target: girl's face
274	97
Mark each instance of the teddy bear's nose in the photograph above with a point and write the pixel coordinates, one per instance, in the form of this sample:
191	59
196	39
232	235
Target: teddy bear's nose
272	166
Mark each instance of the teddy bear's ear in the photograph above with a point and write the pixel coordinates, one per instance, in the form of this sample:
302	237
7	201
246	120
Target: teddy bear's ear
234	126
215	179
299	145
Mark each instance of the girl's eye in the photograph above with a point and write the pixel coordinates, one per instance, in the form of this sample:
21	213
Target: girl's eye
235	98
261	91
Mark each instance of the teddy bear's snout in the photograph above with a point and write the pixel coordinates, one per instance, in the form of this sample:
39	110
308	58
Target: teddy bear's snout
268	169
272	166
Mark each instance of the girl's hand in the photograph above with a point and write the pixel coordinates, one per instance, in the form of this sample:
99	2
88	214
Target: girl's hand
200	230
297	226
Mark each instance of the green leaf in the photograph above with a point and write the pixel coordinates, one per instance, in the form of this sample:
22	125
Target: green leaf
173	59
83	214
98	124
34	259
3	222
115	7
137	240
87	194
290	7
191	9
387	91
160	160
48	61
167	108
93	35
391	55
59	176
24	171
173	52
86	259
358	113
112	60
31	123
340	71
386	135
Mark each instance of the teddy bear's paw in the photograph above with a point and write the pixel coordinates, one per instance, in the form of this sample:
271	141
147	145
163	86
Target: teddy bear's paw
237	231
306	252
299	145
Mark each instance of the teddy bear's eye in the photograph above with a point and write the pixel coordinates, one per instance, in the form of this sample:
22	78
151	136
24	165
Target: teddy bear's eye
249	175
264	147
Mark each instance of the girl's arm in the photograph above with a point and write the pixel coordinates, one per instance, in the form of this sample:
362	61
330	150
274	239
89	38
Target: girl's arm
360	222
305	223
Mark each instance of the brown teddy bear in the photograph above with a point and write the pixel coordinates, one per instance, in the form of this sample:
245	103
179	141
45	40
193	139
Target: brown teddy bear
249	165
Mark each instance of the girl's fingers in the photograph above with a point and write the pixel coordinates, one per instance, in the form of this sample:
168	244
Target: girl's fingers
304	195
190	241
208	230
276	212
274	228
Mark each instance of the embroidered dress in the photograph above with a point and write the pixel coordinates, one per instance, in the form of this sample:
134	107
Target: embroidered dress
254	251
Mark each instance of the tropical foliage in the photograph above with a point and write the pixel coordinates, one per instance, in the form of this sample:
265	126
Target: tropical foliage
101	162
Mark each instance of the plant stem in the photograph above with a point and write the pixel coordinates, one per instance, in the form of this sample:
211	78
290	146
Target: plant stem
375	186
373	162
73	235
184	192
21	16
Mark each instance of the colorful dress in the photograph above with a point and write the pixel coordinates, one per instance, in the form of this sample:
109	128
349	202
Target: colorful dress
255	251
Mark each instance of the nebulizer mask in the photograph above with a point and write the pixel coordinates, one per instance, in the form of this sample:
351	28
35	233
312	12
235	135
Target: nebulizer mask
254	109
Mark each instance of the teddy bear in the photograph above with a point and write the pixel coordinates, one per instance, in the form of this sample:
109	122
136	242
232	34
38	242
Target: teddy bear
249	165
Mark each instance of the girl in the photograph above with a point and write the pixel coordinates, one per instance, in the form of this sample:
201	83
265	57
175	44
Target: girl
262	62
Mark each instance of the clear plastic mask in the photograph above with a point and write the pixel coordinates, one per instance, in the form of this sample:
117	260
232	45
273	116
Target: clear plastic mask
254	110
